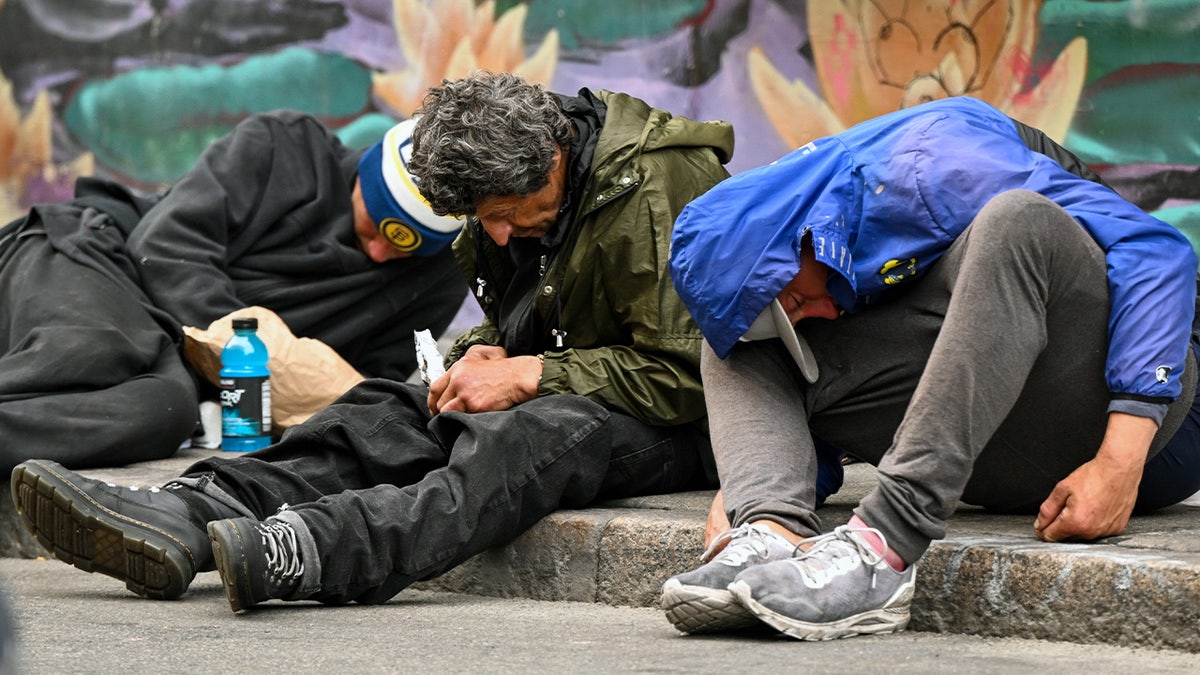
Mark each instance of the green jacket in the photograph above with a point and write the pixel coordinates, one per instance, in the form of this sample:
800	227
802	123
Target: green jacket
630	345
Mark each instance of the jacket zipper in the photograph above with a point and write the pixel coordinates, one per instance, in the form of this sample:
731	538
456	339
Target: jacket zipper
558	333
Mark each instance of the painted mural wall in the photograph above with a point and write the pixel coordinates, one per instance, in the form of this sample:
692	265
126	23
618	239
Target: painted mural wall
135	89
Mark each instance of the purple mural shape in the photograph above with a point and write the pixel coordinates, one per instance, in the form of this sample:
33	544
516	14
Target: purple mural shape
699	66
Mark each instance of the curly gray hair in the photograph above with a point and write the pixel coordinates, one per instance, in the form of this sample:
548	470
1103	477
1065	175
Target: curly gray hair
487	135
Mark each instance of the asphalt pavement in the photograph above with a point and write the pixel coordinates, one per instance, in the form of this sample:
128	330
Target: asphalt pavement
988	577
72	622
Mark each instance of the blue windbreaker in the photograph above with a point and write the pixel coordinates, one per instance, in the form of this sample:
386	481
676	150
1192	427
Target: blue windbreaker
886	198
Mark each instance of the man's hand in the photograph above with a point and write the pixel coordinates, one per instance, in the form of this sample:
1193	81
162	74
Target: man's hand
1097	498
485	379
484	353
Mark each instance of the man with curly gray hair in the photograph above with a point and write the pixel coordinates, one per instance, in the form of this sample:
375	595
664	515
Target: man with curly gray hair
487	137
582	382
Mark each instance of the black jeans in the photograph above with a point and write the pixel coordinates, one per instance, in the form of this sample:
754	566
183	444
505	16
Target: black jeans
392	495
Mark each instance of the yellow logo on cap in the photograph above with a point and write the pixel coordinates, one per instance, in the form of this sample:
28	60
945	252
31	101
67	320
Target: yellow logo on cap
400	234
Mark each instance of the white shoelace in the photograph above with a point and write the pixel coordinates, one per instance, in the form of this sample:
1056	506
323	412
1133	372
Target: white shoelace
283	561
833	554
744	542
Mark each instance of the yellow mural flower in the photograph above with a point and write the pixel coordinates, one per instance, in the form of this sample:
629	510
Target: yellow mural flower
449	39
26	153
876	56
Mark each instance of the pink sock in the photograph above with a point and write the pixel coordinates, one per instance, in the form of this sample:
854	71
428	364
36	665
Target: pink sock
894	561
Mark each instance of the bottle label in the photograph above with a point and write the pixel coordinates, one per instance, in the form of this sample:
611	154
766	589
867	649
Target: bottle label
245	406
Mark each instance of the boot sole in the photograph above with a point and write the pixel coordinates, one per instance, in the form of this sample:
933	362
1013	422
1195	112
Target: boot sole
230	556
81	532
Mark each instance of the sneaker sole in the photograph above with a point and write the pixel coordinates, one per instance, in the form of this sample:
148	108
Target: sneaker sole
229	555
892	618
81	532
697	609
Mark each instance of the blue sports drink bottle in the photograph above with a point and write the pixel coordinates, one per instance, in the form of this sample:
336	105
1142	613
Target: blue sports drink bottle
245	390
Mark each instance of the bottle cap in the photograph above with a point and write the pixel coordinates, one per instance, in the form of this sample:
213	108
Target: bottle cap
244	322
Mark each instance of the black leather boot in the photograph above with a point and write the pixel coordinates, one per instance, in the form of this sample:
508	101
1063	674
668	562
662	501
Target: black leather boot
147	538
257	560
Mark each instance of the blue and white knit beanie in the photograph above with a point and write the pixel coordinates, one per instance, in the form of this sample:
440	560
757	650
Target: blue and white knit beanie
390	193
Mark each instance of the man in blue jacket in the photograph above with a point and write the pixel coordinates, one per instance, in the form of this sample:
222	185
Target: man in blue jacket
978	321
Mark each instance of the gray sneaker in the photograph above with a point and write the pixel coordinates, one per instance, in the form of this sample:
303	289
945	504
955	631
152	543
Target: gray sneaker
840	586
699	601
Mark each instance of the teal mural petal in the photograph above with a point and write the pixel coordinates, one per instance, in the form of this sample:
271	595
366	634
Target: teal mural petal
365	130
151	124
1186	219
1115	126
582	23
1122	34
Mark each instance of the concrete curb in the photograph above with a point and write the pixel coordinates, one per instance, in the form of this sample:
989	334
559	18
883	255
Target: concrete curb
1085	593
989	576
971	582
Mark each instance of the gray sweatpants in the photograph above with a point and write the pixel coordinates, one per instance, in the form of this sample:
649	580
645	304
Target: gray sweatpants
982	382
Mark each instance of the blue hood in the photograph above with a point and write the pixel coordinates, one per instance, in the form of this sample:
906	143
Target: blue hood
736	247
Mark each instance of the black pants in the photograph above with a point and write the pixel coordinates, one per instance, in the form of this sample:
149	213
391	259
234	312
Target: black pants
87	378
390	495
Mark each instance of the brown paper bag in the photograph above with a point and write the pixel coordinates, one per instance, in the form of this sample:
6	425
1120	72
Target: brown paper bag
306	374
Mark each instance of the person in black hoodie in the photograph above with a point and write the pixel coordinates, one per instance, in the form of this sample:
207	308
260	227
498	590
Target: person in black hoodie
279	214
